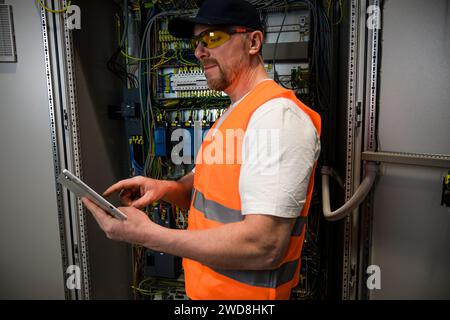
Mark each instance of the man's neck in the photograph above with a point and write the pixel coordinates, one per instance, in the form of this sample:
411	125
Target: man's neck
246	82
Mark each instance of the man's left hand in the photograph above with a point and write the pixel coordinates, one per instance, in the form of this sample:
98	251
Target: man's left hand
135	229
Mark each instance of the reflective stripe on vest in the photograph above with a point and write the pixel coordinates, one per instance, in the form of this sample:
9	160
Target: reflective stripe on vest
263	278
213	210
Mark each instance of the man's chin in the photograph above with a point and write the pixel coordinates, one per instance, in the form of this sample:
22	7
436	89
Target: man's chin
216	85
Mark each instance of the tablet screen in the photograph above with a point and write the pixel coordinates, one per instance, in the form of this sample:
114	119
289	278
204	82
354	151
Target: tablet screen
78	187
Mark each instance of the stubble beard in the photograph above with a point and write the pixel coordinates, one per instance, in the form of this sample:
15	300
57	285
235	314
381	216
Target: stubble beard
224	79
219	83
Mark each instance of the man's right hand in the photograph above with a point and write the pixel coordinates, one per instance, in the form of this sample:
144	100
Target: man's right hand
139	192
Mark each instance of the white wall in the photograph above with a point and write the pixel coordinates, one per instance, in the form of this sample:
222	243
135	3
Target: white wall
411	231
30	252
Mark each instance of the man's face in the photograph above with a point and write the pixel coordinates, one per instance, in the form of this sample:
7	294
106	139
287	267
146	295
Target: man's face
224	64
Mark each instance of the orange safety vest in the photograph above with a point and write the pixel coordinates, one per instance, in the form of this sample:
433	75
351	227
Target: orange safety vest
216	201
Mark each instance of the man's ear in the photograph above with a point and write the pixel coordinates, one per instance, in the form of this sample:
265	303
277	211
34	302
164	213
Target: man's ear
256	38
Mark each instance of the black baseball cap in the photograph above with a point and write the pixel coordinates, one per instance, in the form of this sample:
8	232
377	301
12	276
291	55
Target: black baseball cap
217	12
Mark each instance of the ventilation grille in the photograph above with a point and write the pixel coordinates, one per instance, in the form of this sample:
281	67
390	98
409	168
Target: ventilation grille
7	41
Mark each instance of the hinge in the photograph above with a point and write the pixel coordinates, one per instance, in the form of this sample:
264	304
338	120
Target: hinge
358	114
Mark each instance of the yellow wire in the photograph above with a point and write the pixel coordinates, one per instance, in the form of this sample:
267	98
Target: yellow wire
341	12
184	61
341	15
55	11
127	55
142	59
133	58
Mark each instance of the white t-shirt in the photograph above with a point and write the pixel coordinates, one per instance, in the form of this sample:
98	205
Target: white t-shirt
277	183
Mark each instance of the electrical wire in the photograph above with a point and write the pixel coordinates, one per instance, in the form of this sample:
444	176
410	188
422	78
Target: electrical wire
125	54
119	70
145	45
341	12
52	10
115	66
275	76
126	22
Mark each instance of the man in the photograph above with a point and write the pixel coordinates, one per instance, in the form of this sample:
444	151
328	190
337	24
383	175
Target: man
246	222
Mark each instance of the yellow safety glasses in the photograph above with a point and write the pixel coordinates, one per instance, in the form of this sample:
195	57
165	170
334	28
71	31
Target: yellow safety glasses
212	38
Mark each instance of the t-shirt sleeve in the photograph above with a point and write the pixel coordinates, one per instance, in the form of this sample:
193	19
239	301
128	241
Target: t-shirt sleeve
279	150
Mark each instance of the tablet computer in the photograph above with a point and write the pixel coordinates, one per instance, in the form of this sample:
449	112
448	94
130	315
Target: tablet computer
78	187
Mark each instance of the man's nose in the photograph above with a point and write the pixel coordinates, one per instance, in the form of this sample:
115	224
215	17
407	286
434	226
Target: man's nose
201	51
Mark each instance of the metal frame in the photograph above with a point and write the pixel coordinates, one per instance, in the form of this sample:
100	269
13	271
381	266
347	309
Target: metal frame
371	102
63	118
55	152
366	219
77	164
362	103
348	268
416	159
